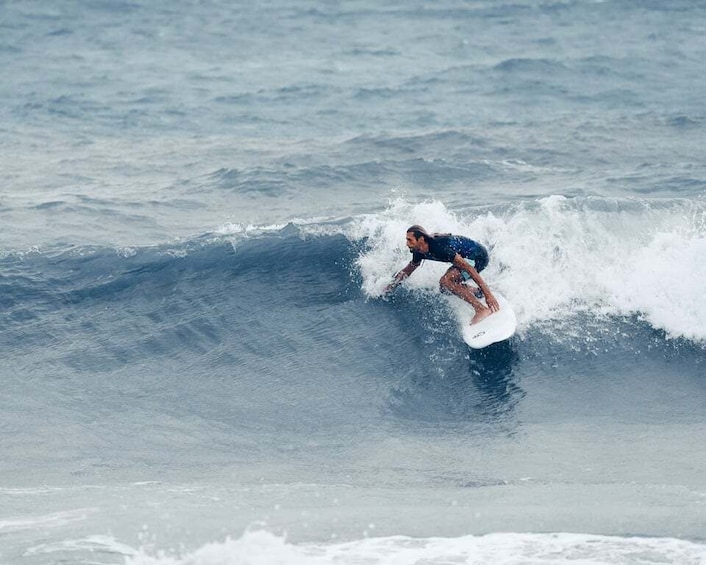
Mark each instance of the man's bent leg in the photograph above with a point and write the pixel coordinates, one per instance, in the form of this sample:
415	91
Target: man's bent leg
451	282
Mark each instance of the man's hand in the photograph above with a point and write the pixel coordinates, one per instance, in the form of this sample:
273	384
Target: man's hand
491	302
389	289
398	278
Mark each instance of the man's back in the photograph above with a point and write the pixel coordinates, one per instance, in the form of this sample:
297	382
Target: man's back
444	247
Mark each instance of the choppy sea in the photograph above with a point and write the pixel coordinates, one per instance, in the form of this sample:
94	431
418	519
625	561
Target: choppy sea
200	204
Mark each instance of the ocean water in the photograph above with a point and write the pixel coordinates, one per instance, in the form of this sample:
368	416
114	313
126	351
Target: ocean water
200	204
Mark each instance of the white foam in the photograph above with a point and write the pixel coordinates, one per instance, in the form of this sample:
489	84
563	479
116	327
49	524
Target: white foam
556	256
262	548
254	548
388	253
312	227
665	281
246	229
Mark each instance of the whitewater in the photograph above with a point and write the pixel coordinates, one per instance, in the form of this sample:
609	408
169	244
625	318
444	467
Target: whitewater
200	206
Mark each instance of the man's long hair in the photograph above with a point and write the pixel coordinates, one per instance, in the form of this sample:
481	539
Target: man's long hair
419	231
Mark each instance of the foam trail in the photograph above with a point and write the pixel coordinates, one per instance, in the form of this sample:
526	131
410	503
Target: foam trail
262	548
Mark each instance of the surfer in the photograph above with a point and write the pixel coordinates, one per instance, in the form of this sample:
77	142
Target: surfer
468	259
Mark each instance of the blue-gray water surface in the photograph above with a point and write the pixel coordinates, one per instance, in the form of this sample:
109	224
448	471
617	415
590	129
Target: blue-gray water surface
200	204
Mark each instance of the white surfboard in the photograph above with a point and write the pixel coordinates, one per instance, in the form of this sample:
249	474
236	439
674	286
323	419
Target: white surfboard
499	326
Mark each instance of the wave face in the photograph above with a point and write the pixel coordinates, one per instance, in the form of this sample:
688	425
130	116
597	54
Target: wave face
293	313
559	261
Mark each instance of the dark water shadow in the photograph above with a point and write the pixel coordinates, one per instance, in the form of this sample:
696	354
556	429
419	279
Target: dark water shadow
493	373
444	381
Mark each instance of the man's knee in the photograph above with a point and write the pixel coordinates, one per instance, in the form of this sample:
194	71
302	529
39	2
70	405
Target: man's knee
446	283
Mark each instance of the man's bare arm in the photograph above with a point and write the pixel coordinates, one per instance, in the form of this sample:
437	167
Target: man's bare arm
490	300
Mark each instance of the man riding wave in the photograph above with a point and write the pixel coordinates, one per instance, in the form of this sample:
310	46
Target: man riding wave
468	259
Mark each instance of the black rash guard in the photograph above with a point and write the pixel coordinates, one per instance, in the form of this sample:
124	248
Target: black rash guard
444	247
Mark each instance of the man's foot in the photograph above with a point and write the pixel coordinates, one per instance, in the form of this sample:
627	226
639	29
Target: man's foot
481	315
